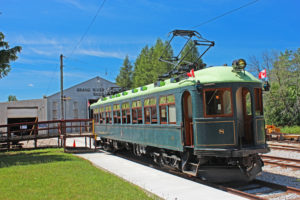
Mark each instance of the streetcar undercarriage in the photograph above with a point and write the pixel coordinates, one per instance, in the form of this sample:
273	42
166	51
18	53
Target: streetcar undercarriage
210	168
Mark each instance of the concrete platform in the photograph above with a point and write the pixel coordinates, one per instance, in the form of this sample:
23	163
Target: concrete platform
164	185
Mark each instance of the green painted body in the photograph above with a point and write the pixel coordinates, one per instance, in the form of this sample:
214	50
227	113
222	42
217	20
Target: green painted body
205	130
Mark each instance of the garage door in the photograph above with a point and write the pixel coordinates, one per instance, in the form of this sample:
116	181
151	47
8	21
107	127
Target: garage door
22	112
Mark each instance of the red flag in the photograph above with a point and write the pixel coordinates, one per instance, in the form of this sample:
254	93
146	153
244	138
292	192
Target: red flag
191	73
262	74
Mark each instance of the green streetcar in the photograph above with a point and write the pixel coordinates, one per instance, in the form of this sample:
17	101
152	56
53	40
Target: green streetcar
208	124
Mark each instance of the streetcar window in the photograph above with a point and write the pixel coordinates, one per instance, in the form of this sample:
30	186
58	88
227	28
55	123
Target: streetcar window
248	103
258	101
163	114
108	114
167	109
147	115
96	115
126	113
150	111
117	114
218	102
172	114
137	112
101	115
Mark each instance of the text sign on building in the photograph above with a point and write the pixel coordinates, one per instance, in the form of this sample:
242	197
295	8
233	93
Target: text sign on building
96	91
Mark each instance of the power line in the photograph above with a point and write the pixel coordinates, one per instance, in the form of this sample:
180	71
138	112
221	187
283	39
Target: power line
88	28
226	13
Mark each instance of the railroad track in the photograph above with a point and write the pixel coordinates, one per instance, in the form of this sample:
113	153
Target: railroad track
257	189
284	147
284	141
262	190
282	162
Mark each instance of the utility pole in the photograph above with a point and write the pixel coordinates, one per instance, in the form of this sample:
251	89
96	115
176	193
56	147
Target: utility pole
61	88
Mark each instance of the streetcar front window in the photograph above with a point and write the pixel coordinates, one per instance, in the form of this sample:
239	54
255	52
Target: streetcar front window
258	101
218	102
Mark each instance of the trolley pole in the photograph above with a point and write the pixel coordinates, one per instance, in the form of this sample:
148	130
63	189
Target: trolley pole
61	88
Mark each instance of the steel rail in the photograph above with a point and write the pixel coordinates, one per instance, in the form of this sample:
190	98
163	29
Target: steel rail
278	147
274	160
285	145
280	187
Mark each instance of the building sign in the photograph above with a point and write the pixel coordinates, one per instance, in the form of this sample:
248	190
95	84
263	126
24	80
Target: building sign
96	91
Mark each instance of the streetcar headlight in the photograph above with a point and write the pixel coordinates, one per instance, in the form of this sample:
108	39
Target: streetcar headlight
239	64
242	63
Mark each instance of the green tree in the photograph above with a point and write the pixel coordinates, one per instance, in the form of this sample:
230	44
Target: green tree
147	67
191	54
282	103
7	54
124	79
12	98
142	68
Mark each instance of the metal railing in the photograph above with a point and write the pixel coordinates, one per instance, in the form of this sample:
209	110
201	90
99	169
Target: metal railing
14	133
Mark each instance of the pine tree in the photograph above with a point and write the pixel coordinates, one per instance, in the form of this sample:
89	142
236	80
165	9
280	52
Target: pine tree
161	67
191	54
6	55
124	79
147	65
142	71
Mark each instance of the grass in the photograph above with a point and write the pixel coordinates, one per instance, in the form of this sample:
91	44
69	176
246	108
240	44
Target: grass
52	174
290	129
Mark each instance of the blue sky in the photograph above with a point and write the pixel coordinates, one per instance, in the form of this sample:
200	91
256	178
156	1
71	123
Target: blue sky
45	29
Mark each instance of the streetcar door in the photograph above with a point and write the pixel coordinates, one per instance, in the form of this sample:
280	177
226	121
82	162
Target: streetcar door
245	116
187	119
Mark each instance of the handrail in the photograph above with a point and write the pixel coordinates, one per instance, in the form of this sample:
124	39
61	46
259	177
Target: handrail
32	130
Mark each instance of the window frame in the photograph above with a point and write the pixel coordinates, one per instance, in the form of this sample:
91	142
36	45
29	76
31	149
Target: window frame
258	99
150	107
96	115
204	102
102	119
108	117
117	114
166	105
135	109
127	111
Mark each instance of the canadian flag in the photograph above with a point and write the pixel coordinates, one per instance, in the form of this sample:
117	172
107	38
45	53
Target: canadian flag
191	73
262	74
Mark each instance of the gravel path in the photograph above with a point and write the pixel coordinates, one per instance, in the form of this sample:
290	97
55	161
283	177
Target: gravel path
280	175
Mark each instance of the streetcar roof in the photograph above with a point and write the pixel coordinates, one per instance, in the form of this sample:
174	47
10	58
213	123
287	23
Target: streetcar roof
216	74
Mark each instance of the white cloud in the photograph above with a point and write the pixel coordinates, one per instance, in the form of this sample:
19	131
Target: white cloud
37	40
102	54
54	74
49	46
77	4
49	52
30	85
23	60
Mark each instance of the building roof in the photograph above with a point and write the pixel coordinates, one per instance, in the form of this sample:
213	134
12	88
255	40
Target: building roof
82	83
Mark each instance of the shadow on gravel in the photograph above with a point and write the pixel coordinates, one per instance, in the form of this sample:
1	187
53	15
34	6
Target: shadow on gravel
280	179
15	159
